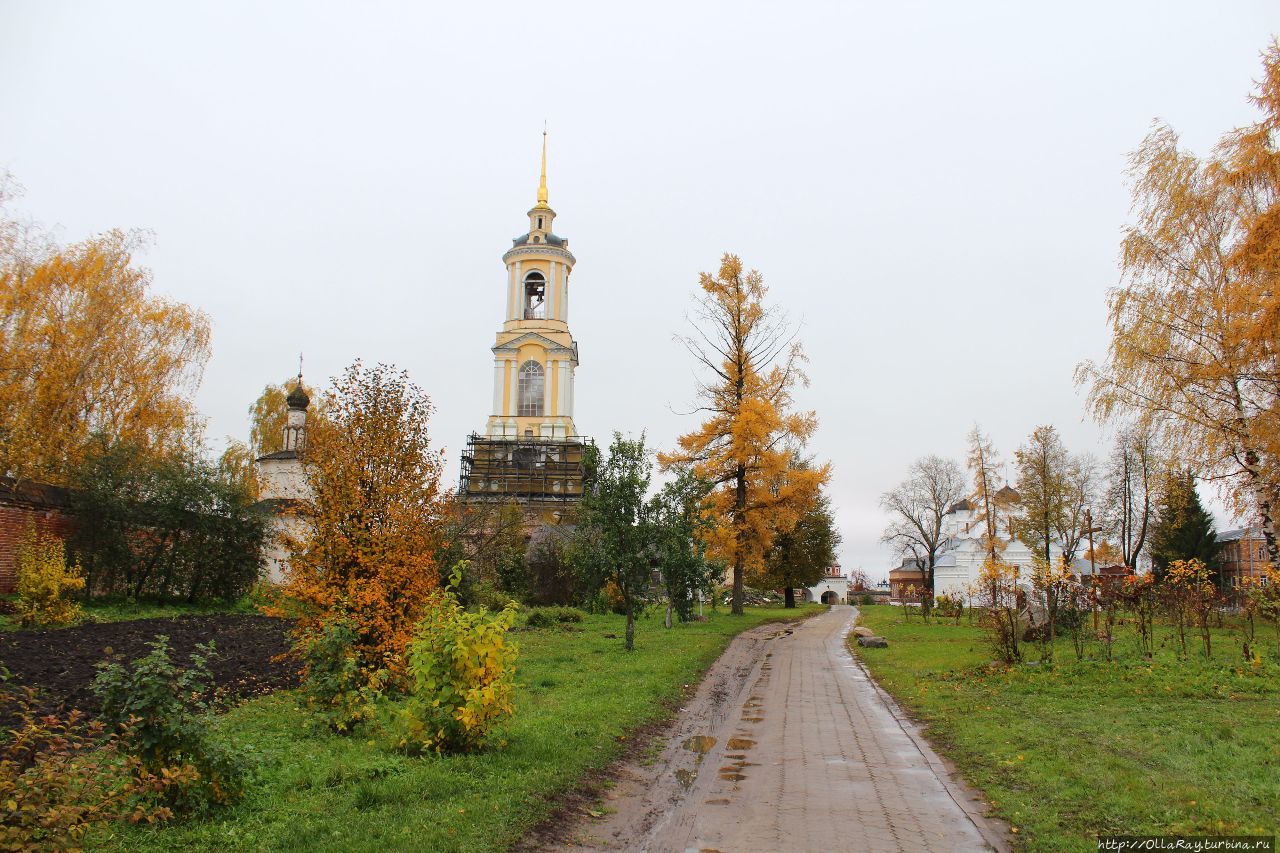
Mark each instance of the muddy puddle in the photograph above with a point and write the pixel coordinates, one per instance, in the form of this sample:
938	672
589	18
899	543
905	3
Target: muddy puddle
700	744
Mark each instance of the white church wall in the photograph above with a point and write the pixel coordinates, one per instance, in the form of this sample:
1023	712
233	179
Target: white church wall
282	479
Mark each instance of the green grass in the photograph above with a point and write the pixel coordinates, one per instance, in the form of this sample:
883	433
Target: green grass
1069	750
579	696
121	610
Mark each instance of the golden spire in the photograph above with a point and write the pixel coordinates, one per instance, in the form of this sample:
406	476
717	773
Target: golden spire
542	182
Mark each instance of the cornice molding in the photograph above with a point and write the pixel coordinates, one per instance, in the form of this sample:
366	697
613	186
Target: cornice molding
544	249
546	343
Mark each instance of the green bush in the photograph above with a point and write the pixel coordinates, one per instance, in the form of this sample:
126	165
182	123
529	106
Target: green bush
867	599
335	687
490	597
550	617
947	607
462	668
169	528
163	721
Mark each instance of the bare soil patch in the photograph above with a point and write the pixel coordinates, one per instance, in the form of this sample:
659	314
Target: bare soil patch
62	663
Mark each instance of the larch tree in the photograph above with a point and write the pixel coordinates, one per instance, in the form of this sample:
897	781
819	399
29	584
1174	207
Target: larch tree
376	516
87	349
744	448
1196	319
983	461
916	507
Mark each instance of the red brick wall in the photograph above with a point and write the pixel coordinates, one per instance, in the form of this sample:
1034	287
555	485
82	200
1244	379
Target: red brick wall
15	518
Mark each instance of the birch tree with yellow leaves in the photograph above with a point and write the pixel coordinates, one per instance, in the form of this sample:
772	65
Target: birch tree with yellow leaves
85	348
752	363
1195	350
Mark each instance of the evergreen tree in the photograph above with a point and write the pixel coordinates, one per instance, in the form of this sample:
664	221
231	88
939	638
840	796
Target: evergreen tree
1185	529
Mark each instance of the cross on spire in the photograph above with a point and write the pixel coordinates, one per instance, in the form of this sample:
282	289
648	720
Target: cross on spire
542	181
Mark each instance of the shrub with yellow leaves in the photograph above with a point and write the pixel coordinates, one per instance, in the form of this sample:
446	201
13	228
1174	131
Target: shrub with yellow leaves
463	669
46	582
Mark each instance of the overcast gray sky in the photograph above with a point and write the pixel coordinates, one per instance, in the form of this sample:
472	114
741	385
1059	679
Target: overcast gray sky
933	190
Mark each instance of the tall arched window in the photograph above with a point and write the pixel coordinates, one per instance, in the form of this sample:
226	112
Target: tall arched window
532	390
535	296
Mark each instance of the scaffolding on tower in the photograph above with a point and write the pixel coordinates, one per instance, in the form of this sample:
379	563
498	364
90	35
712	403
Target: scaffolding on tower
535	472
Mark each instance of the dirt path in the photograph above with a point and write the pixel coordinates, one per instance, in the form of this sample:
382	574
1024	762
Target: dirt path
788	745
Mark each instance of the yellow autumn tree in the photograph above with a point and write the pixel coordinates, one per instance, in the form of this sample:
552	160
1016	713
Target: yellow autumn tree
745	446
85	348
376	516
1195	350
983	460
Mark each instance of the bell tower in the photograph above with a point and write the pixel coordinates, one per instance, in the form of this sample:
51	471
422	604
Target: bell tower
530	451
535	356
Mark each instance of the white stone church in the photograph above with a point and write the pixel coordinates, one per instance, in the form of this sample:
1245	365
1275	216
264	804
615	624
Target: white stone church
960	561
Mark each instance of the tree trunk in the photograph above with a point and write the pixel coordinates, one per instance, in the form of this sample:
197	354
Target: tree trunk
739	546
668	623
631	627
1265	498
790	596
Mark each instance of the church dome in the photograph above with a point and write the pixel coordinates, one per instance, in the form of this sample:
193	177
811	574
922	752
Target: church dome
297	398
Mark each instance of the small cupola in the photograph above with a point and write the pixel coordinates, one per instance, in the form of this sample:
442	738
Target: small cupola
295	426
298	399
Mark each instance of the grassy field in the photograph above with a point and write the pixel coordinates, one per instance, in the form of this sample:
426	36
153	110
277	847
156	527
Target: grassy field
123	611
579	696
1069	750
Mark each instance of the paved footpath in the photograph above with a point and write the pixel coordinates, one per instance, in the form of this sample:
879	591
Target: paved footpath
790	746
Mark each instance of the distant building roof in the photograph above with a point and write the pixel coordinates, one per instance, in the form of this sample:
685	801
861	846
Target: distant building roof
1238	533
961	505
1008	494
